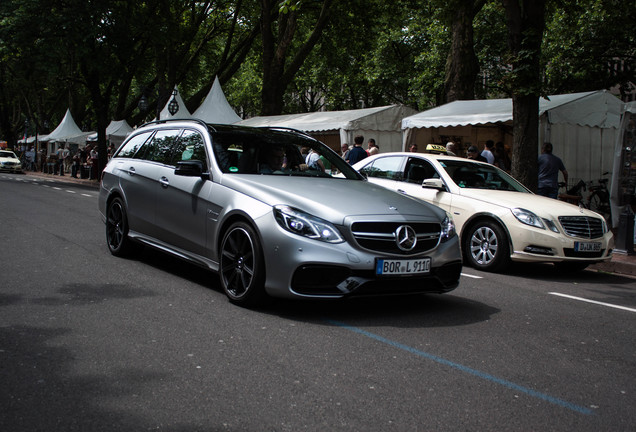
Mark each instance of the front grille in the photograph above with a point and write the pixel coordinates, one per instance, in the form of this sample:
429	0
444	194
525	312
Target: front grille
582	226
380	236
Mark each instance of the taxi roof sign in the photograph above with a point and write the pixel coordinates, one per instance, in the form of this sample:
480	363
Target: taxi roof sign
436	148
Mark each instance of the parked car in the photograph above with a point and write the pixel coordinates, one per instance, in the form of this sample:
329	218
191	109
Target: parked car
498	219
9	162
246	203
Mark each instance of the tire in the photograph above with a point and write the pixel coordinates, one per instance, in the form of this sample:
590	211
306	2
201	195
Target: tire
486	246
242	268
117	238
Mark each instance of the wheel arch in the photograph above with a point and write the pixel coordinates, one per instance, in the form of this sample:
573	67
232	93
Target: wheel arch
483	216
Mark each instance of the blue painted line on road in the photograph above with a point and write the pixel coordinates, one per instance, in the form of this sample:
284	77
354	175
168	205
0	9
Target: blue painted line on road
483	375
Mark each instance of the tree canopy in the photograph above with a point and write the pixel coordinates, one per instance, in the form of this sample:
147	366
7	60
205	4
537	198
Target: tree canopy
99	57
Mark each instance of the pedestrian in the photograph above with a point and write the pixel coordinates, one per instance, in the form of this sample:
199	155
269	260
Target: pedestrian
76	163
67	159
60	158
357	153
372	147
313	161
549	167
473	153
487	152
502	160
451	148
413	148
344	151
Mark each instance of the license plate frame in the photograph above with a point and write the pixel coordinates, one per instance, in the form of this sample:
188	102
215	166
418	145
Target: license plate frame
587	246
401	267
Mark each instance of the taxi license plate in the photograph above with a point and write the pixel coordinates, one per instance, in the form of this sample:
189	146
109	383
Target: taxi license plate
385	267
587	246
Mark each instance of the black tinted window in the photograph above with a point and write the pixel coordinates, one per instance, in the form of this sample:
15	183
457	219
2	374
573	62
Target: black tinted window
160	147
190	147
417	170
133	145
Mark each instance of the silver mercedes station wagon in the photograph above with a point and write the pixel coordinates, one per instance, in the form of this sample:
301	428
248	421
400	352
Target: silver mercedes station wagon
273	212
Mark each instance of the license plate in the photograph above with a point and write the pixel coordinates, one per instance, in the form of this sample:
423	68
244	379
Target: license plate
386	267
587	246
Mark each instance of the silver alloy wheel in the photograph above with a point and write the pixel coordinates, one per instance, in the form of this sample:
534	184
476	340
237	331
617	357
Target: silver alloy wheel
484	245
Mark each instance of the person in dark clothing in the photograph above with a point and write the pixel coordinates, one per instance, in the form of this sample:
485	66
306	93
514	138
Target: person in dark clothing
357	153
549	167
473	154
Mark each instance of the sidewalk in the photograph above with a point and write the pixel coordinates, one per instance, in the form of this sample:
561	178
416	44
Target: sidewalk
620	263
66	178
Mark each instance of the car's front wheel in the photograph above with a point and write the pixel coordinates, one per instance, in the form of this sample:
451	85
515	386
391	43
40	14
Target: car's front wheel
486	246
117	238
242	268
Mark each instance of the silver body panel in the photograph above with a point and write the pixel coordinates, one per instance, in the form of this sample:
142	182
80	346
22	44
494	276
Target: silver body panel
186	216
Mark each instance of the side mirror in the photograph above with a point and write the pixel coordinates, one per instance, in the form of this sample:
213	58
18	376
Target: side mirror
433	183
192	168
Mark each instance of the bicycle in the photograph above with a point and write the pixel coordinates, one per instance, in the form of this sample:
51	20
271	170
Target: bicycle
574	195
599	198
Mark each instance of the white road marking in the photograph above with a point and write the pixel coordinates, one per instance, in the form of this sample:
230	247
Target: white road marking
594	302
472	276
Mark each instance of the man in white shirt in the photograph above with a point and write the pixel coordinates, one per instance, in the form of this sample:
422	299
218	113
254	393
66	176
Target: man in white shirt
487	152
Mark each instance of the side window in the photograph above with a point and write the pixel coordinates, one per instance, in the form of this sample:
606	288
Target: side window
386	167
191	146
133	145
160	147
419	169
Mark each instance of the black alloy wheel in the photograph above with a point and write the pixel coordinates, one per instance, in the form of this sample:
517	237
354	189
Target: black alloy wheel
242	268
117	228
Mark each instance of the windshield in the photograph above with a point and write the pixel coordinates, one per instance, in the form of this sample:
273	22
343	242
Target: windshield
8	154
272	152
480	176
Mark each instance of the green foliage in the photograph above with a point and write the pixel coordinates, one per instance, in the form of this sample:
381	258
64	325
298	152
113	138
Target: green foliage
371	53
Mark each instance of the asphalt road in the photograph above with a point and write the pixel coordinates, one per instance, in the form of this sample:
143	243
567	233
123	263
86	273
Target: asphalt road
90	342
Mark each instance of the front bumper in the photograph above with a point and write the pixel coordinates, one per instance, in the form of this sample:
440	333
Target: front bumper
300	267
533	245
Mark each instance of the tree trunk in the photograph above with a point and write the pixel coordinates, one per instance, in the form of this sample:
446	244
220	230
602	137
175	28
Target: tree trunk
278	71
525	22
462	65
525	131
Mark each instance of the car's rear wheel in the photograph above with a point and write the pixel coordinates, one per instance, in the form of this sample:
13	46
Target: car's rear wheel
242	268
117	238
486	246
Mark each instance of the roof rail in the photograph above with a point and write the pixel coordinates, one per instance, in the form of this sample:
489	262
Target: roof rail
196	120
288	129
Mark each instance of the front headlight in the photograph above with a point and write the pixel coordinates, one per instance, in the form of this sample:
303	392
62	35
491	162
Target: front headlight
306	225
448	228
527	217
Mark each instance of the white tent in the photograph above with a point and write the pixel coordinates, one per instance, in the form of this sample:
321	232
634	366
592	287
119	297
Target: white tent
182	112
67	131
581	126
623	187
336	127
215	107
116	132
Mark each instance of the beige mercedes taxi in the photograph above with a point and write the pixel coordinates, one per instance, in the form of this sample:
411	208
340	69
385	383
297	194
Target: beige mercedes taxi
499	220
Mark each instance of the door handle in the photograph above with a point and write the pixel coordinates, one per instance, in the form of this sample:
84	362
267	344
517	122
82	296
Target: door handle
131	171
164	182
